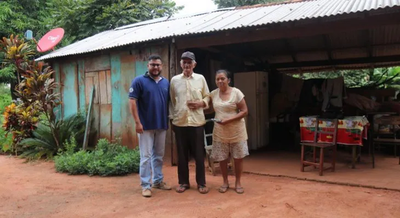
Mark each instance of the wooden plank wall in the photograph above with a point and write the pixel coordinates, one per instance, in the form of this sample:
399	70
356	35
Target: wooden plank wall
113	73
81	85
69	88
127	74
105	103
132	64
56	75
97	72
115	60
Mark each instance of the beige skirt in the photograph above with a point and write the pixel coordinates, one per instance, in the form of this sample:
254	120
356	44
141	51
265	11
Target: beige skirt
220	150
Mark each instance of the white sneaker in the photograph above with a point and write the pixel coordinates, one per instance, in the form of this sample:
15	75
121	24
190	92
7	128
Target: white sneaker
146	193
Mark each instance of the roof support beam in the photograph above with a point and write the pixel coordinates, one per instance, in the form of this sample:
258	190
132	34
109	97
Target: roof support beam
338	62
290	49
222	52
328	46
331	50
367	38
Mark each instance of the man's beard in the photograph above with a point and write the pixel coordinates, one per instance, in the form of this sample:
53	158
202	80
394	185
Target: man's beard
155	75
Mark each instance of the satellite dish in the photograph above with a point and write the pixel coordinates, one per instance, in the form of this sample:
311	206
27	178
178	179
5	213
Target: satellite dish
50	39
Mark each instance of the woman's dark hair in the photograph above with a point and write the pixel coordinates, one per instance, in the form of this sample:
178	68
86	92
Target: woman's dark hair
226	72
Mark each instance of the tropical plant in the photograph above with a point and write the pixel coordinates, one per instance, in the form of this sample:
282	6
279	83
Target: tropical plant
20	121
15	54
39	87
44	144
5	100
6	142
5	97
36	94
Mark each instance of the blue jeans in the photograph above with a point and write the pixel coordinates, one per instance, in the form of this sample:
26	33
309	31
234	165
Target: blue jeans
152	147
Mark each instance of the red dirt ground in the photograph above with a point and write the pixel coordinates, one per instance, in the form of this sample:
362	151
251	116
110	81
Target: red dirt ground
36	190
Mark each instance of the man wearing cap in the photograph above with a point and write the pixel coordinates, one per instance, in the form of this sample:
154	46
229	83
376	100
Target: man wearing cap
189	95
149	106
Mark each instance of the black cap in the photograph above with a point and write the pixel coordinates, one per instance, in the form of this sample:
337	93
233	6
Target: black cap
188	55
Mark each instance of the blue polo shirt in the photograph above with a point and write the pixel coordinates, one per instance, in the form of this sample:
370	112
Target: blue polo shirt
152	101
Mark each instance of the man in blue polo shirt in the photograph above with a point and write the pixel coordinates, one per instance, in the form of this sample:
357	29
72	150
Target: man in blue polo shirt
149	106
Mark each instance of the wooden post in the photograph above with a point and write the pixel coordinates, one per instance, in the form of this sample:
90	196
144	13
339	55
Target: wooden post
172	72
88	123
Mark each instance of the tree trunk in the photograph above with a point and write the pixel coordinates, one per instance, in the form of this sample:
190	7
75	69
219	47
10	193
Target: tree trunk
13	84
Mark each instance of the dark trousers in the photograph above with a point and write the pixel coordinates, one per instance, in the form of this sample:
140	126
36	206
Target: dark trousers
190	140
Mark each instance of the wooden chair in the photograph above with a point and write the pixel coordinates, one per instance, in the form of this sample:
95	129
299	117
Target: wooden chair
322	146
208	147
390	137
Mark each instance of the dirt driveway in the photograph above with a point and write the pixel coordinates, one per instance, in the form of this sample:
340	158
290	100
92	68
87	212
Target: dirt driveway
36	190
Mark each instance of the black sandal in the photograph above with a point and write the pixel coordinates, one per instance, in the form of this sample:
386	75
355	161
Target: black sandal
182	188
203	189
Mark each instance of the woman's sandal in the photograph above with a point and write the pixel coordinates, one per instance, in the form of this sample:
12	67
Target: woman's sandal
203	189
223	188
239	190
182	188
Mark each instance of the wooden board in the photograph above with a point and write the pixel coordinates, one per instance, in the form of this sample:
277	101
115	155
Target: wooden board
88	123
101	109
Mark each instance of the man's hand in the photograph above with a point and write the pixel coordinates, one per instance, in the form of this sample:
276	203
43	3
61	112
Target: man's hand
139	128
194	105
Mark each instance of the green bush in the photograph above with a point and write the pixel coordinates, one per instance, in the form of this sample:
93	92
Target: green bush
6	142
5	97
5	100
107	159
43	143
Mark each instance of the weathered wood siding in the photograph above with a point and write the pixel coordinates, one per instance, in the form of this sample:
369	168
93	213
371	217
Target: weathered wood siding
111	74
69	88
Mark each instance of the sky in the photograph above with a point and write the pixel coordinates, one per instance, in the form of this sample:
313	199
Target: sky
195	6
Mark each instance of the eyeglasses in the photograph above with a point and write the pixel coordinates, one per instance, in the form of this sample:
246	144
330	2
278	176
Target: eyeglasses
187	62
155	65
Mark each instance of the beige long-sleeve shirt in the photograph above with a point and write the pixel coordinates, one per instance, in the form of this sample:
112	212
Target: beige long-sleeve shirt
182	90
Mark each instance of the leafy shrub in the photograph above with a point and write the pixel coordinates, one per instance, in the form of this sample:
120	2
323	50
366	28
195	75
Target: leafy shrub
5	97
20	120
43	143
6	140
107	159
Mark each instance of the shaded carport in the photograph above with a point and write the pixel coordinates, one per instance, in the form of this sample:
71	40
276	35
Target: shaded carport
355	39
292	37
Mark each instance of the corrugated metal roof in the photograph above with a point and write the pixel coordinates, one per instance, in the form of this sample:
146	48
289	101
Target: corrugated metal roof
219	20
